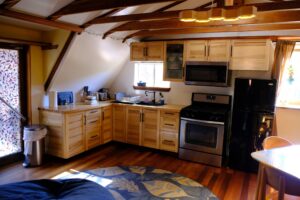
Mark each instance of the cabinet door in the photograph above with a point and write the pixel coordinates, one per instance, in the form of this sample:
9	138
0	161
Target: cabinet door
93	128
150	128
196	50
133	128
137	51
219	50
155	51
250	55
75	136
106	124
173	66
119	123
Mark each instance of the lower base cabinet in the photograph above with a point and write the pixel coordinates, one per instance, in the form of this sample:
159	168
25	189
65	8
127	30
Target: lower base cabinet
145	126
71	133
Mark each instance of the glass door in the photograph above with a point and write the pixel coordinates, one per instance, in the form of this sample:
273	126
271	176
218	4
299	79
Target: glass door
13	92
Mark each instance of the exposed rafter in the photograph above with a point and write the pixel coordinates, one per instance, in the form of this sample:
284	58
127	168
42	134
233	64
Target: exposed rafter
261	18
154	12
9	3
93	5
175	14
217	29
40	20
108	13
44	45
60	58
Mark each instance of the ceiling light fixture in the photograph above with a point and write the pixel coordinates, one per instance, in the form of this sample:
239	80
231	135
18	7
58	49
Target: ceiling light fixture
218	14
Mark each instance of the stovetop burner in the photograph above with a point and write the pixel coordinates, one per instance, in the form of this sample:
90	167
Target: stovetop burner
208	107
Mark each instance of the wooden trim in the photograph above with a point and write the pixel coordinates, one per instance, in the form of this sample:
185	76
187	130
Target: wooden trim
40	20
28	42
273	38
156	11
261	18
159	89
92	5
58	61
217	29
9	3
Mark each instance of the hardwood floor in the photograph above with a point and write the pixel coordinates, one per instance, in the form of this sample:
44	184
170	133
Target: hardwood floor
225	183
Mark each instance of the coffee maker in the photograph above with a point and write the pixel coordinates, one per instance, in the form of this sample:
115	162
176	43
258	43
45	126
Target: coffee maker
103	94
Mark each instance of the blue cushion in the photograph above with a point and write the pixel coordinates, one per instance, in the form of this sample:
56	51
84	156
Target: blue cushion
54	189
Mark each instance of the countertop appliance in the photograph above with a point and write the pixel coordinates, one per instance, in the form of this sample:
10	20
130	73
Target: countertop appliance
206	73
204	127
252	118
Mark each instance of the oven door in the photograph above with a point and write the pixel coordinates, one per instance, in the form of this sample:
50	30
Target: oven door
201	135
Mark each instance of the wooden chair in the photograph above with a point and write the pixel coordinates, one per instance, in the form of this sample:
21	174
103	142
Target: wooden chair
278	180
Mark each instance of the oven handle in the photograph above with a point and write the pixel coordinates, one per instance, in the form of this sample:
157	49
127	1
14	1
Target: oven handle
203	121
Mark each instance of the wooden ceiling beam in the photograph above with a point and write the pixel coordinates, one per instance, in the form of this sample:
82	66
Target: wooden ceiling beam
175	14
44	45
9	3
40	20
218	29
93	5
107	14
154	12
261	18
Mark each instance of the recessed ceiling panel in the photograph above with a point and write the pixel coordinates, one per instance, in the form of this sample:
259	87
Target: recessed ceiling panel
142	9
189	4
41	7
81	18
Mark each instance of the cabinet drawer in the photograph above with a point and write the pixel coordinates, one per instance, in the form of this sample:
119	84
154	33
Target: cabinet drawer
92	121
168	141
169	121
93	113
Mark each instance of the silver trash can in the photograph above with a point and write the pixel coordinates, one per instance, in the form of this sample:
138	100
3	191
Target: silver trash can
34	145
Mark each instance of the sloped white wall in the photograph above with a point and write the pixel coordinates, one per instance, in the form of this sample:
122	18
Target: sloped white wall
91	62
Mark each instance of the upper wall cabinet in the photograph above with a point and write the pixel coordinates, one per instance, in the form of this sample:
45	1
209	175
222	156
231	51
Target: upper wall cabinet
196	50
218	50
212	50
147	51
250	55
174	62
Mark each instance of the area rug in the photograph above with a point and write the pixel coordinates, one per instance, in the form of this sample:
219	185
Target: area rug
134	183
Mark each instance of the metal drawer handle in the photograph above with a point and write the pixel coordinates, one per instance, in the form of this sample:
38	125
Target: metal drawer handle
94	111
168	142
94	136
91	122
169	124
167	113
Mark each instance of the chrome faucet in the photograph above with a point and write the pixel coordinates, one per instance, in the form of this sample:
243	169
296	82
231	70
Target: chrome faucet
147	92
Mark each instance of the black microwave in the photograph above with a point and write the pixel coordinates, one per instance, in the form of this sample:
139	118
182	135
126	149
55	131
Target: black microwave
206	73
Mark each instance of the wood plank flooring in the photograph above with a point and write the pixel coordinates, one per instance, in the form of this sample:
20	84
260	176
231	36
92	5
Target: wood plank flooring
225	183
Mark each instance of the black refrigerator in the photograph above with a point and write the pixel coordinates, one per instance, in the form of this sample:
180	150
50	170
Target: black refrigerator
252	119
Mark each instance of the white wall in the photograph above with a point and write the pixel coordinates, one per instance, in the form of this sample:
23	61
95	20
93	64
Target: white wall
180	93
91	62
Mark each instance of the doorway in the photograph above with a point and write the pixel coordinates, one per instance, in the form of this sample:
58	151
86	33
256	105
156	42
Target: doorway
13	93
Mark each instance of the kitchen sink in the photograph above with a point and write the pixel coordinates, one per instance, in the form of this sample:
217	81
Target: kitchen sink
149	103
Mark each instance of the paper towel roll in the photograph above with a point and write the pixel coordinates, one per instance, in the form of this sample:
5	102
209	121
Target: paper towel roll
53	98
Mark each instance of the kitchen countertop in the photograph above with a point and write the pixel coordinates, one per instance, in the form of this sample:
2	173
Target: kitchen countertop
82	106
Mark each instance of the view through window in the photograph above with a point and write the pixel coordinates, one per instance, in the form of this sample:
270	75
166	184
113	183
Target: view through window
151	73
10	124
289	94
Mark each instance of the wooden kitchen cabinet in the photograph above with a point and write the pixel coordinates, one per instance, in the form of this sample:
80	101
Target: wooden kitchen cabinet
174	61
106	124
93	128
208	50
119	123
251	55
134	125
147	51
150	128
169	130
219	50
66	133
196	50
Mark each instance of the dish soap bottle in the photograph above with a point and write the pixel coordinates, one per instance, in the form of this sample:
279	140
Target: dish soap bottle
161	100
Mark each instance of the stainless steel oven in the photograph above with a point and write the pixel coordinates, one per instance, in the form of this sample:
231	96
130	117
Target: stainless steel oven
202	129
